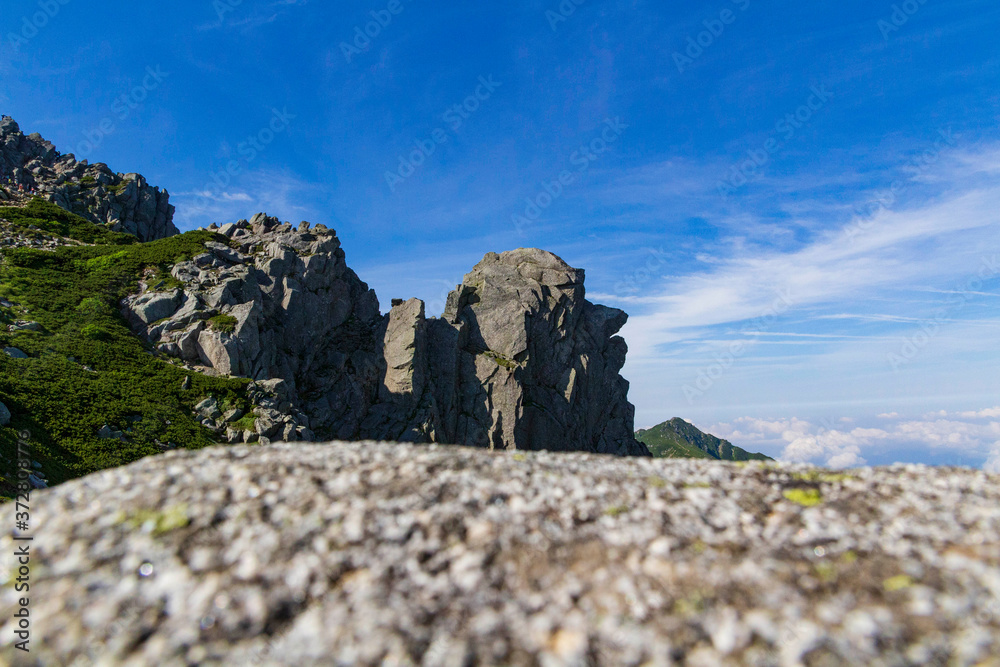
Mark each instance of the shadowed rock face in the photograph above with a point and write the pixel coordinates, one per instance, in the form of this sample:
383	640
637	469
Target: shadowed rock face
125	202
520	360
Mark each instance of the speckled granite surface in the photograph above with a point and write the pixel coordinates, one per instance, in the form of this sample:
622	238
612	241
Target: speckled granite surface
364	554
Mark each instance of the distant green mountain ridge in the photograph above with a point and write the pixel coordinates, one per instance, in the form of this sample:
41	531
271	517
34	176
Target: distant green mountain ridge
678	439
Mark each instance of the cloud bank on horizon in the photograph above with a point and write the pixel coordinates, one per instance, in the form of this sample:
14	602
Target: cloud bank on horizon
943	438
798	204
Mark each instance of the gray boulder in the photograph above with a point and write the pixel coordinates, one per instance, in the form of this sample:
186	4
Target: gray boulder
106	432
25	326
155	306
267	425
14	353
4	415
209	407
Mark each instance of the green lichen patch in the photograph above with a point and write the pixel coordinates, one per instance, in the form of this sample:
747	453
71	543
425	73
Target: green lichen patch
804	497
501	360
819	476
897	583
157	522
617	510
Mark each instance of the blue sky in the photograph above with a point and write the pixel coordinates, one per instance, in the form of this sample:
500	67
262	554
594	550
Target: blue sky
796	202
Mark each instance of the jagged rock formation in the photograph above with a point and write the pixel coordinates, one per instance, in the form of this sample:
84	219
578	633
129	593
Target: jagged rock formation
366	554
520	360
124	202
276	303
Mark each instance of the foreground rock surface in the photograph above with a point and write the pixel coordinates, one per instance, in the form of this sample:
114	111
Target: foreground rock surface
368	554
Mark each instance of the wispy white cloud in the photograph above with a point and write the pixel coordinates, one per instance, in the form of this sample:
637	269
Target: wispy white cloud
276	192
988	413
811	335
879	317
254	19
221	196
924	244
781	328
951	291
993	462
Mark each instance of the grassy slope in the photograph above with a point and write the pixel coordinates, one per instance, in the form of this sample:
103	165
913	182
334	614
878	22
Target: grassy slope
74	294
51	219
679	439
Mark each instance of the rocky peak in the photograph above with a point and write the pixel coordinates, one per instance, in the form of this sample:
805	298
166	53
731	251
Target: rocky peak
124	202
547	360
520	360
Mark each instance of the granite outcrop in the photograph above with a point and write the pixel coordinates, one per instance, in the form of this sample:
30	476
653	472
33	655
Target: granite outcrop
123	202
519	360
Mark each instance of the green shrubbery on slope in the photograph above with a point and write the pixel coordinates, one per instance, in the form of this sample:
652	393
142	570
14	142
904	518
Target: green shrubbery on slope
85	367
48	217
